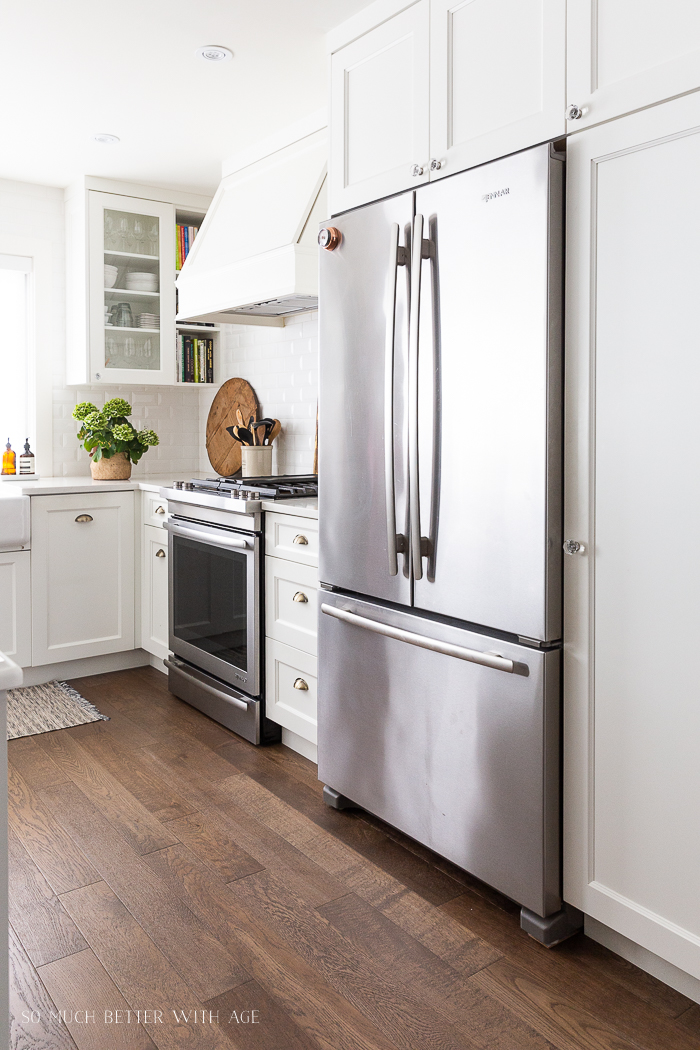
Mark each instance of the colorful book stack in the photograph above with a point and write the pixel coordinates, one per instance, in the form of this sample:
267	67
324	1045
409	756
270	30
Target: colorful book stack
184	241
194	359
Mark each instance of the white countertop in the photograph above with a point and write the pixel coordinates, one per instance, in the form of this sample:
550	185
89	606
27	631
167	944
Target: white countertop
304	508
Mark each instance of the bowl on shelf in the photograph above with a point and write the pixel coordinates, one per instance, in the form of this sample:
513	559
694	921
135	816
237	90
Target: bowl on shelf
141	282
111	273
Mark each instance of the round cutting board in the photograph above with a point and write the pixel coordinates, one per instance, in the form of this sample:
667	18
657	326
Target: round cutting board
223	451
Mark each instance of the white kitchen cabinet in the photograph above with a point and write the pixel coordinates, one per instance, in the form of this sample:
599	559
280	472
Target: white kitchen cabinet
154	591
131	229
497	79
155	509
623	55
441	86
632	483
291	603
15	607
380	86
82	575
292	537
290	696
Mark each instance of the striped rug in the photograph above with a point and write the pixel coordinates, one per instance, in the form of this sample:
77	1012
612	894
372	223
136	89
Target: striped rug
34	709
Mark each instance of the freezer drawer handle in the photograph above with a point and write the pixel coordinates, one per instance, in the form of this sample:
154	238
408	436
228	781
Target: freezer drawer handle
214	540
472	656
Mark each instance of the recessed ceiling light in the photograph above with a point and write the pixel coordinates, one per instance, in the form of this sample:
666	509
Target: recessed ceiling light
105	139
214	53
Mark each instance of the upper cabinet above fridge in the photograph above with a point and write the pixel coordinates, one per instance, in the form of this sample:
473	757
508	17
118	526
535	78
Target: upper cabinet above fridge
624	55
441	86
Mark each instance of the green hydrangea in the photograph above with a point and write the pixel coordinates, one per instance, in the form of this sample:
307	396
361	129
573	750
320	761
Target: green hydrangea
95	420
147	437
122	431
117	406
85	408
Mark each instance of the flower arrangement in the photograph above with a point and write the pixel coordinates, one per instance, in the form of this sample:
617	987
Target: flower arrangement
106	433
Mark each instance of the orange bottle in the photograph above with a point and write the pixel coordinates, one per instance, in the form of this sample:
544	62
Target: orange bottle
9	460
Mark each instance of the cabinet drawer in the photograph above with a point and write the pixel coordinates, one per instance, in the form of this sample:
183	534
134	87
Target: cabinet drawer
292	706
291	603
155	509
293	538
154	591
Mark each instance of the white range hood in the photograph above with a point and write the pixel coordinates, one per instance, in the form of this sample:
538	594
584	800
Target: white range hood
255	258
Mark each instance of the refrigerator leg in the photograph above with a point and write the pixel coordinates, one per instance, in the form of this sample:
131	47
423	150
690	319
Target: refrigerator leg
335	800
555	928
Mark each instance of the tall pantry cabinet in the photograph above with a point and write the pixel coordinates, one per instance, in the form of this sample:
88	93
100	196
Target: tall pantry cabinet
632	614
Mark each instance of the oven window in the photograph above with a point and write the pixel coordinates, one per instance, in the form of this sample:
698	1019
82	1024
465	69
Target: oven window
210	600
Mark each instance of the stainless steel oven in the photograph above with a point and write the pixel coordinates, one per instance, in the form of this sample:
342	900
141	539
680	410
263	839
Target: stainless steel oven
215	614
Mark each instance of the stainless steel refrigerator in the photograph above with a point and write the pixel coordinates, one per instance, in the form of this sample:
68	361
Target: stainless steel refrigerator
440	460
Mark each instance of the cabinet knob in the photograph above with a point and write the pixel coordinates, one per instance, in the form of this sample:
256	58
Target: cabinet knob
160	510
301	539
435	164
299	683
160	553
329	238
300	597
416	170
574	547
574	112
84	517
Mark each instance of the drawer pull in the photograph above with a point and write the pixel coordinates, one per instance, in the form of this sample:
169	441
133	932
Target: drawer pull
160	553
300	597
301	539
159	510
84	517
299	683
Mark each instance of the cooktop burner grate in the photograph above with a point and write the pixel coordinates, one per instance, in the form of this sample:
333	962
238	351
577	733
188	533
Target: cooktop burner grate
284	486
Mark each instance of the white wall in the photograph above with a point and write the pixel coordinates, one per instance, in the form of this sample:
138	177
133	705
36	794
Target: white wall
28	210
281	364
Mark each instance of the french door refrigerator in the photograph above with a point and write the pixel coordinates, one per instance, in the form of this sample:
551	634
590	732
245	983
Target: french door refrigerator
440	464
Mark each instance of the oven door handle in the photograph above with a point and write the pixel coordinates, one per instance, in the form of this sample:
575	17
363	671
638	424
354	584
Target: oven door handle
218	693
238	542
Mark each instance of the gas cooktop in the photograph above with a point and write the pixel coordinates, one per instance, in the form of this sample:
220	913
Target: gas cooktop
284	486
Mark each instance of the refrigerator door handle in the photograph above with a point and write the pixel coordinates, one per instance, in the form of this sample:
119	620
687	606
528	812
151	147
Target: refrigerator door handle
472	656
394	542
420	249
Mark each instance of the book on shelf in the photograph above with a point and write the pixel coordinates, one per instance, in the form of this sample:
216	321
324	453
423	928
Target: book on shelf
195	359
184	240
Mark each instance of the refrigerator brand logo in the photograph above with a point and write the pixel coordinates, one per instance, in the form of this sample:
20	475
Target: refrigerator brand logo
496	193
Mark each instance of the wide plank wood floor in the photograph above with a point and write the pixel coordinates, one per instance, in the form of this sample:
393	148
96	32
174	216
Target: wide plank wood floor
174	887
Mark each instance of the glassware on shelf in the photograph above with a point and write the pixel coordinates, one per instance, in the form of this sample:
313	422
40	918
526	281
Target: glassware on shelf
124	234
130	346
110	243
139	236
153	238
122	316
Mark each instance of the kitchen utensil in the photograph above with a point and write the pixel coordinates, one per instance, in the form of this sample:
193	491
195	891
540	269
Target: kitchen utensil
274	432
225	453
239	417
245	436
233	431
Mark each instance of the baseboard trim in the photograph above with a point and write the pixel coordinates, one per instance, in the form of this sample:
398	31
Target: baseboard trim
157	663
300	745
664	971
90	665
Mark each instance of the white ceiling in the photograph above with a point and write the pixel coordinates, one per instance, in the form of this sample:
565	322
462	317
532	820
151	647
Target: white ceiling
70	68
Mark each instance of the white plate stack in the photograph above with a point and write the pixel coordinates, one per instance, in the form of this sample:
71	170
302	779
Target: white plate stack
149	321
141	282
111	275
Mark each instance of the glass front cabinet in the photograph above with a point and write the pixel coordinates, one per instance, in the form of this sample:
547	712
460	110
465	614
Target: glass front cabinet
122	257
132	289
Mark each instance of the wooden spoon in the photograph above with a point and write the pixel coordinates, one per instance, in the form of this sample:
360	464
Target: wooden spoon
274	432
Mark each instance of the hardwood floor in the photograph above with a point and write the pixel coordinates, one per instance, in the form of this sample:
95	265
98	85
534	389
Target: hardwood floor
174	887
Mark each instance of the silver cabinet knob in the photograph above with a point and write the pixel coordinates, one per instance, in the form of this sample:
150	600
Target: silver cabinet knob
574	112
416	170
160	553
574	547
301	539
435	164
83	518
300	597
159	510
299	683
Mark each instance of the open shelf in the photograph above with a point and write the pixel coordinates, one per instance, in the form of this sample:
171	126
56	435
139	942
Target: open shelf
134	295
195	327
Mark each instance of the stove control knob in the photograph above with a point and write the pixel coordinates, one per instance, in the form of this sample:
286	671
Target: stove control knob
187	485
177	484
329	238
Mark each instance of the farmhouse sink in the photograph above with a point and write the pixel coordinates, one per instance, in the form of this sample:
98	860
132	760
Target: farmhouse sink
14	522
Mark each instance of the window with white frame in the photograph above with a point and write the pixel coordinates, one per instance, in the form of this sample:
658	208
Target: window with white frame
17	398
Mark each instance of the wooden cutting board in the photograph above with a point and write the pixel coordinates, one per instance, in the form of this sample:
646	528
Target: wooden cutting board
225	453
